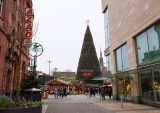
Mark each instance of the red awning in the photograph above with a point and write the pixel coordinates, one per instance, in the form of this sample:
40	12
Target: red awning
107	85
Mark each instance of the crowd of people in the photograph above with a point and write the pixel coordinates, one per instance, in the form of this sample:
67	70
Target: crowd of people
60	92
90	91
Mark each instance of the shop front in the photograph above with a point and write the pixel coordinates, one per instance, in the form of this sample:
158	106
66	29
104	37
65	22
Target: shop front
148	61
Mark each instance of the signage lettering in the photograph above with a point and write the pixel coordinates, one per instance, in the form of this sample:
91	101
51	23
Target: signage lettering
28	34
28	23
28	27
29	19
29	11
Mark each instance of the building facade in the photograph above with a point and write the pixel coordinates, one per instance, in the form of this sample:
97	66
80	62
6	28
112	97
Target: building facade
14	55
132	38
70	75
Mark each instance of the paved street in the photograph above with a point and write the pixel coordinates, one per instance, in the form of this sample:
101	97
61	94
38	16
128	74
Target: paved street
84	104
74	104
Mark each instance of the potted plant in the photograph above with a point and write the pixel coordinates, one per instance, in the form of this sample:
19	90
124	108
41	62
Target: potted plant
7	105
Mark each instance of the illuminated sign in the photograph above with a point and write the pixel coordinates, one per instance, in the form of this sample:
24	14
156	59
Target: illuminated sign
86	72
28	23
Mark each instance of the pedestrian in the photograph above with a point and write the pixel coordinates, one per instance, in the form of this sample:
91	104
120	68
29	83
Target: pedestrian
56	93
61	92
64	92
103	93
110	93
91	92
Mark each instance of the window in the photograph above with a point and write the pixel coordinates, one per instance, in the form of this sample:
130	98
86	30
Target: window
122	58
108	62
1	7
148	45
106	28
142	46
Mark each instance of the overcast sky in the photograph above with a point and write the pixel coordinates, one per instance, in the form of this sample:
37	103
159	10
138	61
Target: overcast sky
62	25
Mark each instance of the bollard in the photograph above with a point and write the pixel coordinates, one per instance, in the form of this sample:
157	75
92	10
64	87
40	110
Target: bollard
121	102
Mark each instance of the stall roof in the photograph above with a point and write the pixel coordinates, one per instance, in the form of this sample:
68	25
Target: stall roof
33	89
93	85
58	82
100	78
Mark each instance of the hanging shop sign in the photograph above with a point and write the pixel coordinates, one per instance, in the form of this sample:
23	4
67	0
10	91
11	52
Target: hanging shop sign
28	23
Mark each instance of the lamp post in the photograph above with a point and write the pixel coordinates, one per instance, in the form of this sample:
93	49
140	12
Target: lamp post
36	50
49	62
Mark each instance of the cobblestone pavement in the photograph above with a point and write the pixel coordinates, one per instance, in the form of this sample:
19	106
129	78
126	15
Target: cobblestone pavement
84	104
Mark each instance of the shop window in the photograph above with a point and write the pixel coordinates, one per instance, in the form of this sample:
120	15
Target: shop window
121	86
124	86
147	86
127	86
157	85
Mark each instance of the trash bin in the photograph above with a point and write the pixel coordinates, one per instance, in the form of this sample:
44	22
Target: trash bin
33	94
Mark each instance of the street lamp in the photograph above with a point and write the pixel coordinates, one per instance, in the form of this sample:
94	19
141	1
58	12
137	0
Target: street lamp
49	62
36	50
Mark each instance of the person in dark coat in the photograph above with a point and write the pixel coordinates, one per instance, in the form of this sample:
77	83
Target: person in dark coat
103	93
110	93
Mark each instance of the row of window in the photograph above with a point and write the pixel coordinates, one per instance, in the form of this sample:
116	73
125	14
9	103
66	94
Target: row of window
147	47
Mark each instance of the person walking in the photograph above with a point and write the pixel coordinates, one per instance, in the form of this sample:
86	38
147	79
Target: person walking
56	93
64	92
110	93
61	92
91	92
103	93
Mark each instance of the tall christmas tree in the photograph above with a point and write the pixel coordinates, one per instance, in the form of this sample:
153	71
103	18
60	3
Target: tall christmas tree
88	66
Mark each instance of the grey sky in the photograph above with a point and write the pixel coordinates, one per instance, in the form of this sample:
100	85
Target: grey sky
62	24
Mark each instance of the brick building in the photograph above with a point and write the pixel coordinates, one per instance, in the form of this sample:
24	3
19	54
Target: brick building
132	33
14	57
